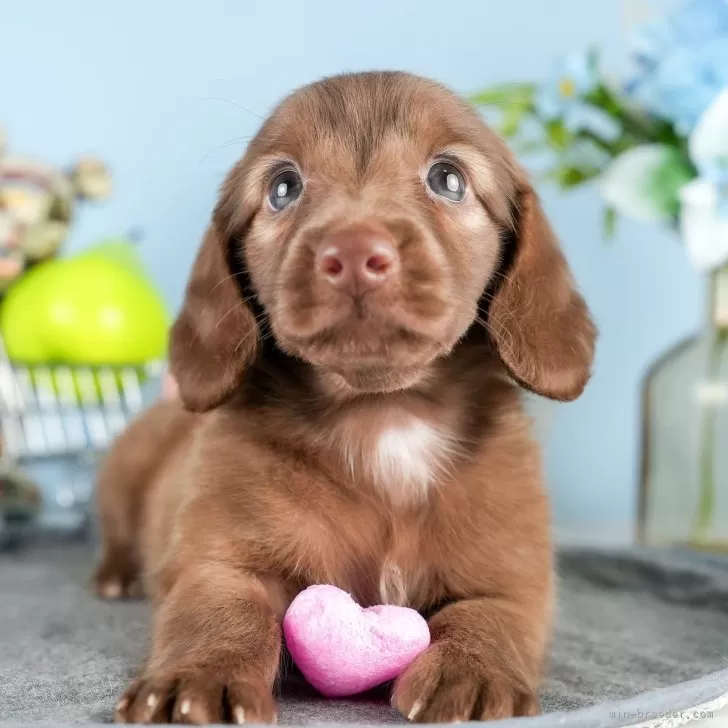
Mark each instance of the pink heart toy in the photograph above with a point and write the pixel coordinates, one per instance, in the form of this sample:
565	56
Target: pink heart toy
342	649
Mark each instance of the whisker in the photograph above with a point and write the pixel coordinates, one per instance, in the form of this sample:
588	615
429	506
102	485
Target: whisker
225	315
253	332
225	145
226	278
232	103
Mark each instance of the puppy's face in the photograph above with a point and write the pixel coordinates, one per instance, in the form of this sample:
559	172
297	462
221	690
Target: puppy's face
370	217
377	225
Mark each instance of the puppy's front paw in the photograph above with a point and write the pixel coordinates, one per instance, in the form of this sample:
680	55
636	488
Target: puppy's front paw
199	698
444	685
117	577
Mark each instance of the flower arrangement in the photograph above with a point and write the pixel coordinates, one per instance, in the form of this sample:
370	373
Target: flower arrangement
37	201
657	144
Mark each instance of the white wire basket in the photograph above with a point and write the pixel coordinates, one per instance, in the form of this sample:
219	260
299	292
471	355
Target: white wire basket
64	418
58	411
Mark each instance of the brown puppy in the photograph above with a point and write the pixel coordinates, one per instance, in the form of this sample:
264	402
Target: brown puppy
377	275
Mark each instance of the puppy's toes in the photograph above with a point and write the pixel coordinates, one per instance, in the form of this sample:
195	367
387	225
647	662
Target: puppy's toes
444	687
110	590
145	701
125	702
199	701
415	687
117	577
249	703
200	697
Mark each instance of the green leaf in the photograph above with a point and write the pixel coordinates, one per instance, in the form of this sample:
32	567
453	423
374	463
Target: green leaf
569	177
610	223
644	182
604	98
593	56
558	134
528	146
639	127
520	94
513	117
585	151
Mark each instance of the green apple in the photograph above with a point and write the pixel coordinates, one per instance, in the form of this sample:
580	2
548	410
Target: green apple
121	250
96	308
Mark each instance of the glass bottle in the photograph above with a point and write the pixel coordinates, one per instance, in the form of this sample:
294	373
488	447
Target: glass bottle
684	488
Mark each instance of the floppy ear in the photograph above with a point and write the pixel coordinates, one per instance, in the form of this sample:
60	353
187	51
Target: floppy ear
537	319
216	335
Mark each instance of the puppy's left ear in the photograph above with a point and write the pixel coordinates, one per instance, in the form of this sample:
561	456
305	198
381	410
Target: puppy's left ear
216	336
538	320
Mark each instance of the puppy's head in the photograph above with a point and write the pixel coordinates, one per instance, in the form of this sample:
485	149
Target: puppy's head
372	221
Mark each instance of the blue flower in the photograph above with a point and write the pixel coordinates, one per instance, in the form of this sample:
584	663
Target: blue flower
686	82
693	22
562	97
651	43
682	62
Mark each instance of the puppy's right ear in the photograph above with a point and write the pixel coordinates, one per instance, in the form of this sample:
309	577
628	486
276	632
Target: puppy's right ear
216	335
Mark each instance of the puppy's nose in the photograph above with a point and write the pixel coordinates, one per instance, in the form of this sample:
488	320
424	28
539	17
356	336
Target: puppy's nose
357	259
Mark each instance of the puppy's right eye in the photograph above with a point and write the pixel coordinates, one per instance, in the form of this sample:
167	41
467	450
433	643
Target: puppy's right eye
446	180
285	188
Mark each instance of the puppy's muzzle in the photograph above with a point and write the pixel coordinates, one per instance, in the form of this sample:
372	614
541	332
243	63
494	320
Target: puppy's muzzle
357	259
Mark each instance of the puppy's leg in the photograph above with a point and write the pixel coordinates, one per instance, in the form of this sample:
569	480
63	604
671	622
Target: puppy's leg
215	651
119	500
125	479
484	663
120	489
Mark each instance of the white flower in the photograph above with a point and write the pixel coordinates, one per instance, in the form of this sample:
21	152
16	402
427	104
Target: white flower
643	183
704	209
704	230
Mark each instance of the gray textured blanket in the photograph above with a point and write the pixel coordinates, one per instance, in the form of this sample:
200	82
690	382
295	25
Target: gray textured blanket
627	623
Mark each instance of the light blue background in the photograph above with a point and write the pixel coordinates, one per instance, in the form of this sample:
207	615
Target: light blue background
168	92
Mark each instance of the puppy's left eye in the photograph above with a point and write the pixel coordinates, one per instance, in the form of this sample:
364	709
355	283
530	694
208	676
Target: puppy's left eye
446	180
285	188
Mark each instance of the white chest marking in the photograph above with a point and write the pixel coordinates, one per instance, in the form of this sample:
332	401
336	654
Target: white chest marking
404	460
404	457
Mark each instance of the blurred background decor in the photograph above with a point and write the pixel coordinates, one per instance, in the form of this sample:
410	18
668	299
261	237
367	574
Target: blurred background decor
81	341
37	201
20	504
656	147
171	122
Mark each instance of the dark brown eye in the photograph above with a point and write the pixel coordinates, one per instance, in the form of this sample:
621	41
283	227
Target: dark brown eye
285	188
446	180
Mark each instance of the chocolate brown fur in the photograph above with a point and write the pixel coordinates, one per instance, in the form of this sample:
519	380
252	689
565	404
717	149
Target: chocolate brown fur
294	467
